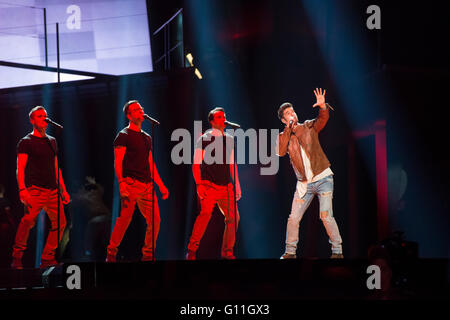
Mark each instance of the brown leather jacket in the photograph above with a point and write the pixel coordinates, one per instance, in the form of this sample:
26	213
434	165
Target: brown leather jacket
306	135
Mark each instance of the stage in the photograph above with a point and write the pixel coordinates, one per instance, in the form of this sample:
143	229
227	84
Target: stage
221	280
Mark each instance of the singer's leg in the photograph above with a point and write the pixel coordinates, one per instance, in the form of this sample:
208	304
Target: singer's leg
325	191
37	202
227	207
299	206
207	205
145	204
51	209
123	221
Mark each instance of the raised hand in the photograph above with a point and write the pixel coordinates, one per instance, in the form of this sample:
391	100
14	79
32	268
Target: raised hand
320	97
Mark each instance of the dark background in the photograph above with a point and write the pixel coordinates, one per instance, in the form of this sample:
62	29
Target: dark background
255	55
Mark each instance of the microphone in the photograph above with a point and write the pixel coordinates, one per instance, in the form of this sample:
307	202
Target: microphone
147	117
291	121
231	124
49	121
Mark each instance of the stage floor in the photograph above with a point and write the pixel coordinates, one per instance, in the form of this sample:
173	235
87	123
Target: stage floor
216	280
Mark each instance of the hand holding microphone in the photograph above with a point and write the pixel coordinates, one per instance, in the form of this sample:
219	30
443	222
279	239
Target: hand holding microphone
291	123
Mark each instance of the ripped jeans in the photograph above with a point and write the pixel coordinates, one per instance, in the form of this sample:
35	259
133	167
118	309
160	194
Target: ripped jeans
324	190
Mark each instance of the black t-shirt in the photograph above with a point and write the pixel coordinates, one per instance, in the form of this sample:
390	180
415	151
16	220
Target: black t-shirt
217	172
40	168
135	162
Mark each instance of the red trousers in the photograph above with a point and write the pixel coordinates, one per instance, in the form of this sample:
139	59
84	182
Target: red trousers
223	196
140	193
47	200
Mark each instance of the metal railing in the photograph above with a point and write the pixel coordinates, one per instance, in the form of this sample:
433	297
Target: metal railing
172	26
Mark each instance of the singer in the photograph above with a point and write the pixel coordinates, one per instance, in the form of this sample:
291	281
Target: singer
214	186
37	170
133	165
312	170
